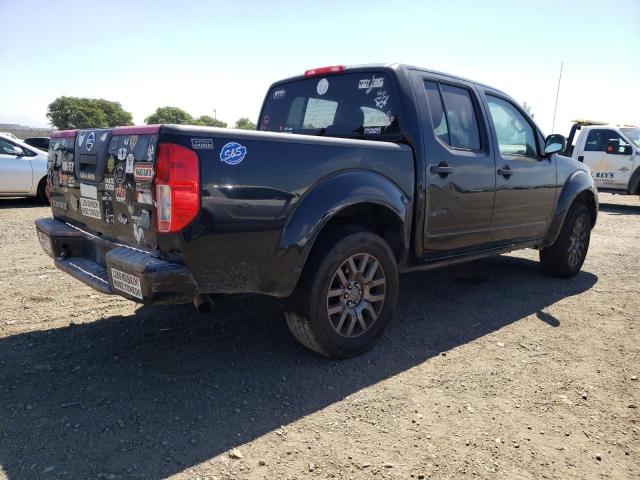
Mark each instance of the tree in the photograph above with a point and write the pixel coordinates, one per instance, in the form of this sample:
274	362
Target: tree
75	112
169	115
116	115
208	121
527	108
245	124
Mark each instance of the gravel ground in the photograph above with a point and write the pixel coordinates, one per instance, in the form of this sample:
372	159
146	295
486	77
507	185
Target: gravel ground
490	370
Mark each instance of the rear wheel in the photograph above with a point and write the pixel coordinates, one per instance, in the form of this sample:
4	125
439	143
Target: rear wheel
42	191
565	257
346	294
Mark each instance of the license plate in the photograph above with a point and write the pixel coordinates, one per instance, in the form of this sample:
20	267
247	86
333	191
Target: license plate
90	208
45	242
126	283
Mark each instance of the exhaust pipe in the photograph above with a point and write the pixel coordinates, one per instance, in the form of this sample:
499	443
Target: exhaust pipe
203	303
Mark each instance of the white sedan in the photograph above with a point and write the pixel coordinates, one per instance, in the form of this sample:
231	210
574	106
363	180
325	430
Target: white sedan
23	170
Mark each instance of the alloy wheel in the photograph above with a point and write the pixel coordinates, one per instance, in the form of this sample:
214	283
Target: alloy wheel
356	295
577	241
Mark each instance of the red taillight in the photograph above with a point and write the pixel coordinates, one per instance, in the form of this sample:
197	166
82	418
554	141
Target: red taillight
177	185
324	70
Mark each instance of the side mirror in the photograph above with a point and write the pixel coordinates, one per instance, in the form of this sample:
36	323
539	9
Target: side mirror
18	152
554	144
614	148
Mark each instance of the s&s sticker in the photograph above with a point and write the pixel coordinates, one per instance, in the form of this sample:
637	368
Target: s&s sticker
233	153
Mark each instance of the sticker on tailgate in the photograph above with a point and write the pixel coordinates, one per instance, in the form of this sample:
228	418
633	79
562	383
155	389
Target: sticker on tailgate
90	208
126	283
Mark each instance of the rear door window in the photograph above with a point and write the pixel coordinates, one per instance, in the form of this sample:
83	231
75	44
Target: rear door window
453	114
345	105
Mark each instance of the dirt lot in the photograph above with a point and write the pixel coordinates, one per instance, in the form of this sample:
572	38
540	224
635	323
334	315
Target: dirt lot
491	370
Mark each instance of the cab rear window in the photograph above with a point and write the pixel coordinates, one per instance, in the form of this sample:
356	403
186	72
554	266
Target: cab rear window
346	105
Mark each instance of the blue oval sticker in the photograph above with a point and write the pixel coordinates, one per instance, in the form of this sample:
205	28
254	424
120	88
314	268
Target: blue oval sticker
233	153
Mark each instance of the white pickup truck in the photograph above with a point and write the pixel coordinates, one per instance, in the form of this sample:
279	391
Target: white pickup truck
611	152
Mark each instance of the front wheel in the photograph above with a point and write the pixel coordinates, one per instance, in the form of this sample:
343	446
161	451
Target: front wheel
346	294
565	257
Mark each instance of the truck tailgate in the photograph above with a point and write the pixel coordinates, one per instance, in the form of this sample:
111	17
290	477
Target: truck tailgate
101	182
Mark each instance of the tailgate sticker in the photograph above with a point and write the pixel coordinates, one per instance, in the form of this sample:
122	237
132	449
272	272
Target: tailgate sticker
90	208
109	183
58	204
111	164
88	191
144	197
126	283
91	141
130	159
87	175
120	174
122	153
150	151
121	194
107	207
143	171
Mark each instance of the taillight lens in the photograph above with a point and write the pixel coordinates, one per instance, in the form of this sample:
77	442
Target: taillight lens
177	185
324	70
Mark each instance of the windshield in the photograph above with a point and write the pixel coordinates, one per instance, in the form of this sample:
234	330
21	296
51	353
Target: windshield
632	134
346	105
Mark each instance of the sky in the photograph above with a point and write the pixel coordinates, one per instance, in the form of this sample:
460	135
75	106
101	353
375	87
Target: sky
223	55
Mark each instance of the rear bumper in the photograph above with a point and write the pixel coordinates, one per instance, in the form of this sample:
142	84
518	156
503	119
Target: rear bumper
113	268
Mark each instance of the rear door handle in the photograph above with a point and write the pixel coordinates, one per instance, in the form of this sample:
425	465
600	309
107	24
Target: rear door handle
442	169
505	171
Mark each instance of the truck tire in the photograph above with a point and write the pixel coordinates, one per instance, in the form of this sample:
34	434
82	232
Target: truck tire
346	294
565	257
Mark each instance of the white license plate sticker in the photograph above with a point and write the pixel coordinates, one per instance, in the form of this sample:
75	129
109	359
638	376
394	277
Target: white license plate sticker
45	242
126	283
90	207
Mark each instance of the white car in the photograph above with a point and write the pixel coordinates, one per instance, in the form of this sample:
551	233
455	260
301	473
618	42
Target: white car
23	170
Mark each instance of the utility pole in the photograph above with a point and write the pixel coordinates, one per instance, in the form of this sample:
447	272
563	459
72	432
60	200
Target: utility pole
553	125
215	114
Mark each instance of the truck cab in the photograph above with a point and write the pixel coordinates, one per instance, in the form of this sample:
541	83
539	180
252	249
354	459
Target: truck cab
611	152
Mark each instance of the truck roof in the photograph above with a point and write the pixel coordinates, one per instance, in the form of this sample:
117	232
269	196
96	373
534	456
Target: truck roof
398	66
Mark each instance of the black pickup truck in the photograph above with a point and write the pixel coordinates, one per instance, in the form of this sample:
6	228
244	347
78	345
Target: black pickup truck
355	174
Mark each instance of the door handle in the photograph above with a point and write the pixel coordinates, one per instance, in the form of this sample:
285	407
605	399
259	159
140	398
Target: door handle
505	171
442	169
